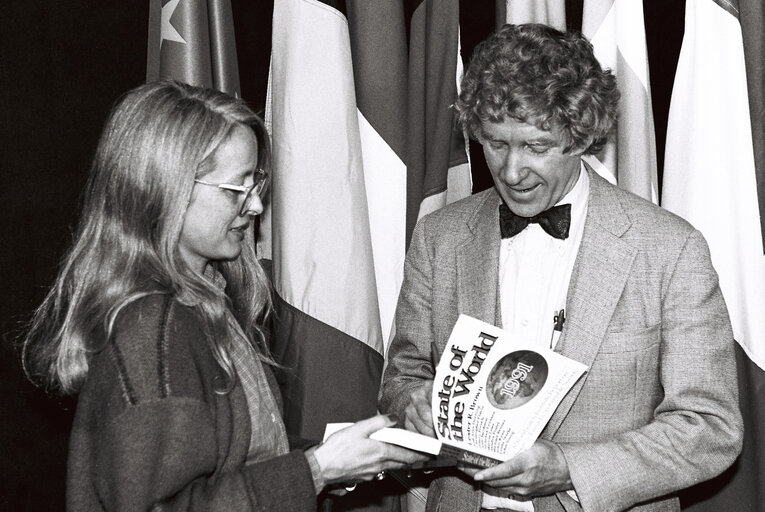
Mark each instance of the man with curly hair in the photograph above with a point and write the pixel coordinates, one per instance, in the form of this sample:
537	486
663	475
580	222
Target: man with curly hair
657	410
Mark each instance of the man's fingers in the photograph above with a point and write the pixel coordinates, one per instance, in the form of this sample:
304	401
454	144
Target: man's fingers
507	470
415	423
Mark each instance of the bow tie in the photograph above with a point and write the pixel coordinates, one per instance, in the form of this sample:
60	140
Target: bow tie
555	221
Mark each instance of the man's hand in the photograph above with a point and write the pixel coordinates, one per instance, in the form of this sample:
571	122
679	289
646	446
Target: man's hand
418	415
539	471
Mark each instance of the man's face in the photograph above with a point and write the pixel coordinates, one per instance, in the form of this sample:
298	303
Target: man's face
530	170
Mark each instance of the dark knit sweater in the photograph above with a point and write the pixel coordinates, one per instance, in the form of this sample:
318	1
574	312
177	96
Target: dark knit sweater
151	433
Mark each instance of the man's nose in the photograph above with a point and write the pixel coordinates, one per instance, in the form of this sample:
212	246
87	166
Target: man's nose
514	168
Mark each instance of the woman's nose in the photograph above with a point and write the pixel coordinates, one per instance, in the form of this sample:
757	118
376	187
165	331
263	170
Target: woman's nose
253	206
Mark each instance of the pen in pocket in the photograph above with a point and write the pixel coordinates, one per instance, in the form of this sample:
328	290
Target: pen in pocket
559	318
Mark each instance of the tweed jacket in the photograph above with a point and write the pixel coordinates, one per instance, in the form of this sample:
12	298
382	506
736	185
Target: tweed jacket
657	410
152	433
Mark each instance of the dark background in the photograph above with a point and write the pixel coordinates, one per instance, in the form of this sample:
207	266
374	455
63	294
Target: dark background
62	65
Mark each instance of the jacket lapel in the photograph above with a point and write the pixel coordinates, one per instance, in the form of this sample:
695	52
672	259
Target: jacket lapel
478	264
600	274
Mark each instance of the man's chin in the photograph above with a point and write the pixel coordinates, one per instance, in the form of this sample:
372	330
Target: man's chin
524	209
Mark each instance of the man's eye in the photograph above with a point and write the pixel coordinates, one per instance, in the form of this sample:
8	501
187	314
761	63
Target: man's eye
538	149
497	145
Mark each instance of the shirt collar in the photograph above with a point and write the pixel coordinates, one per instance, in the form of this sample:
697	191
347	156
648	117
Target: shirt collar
578	197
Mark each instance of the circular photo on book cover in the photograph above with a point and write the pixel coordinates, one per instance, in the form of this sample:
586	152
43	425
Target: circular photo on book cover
516	379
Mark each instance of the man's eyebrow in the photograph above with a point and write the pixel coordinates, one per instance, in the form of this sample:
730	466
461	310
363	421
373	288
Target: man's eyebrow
547	138
483	135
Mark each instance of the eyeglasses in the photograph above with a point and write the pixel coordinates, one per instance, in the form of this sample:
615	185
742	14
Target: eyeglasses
259	186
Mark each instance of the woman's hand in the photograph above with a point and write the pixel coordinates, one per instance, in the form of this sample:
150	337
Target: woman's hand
349	455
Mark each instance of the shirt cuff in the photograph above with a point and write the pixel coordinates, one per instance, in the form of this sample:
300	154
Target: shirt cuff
313	464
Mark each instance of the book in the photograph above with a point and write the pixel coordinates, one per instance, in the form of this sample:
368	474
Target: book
493	394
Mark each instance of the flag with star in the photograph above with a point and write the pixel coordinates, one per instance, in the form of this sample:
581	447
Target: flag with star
714	176
192	41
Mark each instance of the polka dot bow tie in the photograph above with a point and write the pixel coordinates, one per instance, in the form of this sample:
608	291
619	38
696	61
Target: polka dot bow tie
555	221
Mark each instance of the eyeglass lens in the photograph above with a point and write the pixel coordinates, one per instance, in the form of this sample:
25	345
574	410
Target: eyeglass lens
259	187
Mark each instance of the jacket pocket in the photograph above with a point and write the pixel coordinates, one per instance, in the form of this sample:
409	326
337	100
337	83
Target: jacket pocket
625	341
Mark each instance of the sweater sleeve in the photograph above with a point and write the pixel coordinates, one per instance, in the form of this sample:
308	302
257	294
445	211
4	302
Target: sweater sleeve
161	454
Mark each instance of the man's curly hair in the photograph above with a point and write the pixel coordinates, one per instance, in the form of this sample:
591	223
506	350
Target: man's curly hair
538	75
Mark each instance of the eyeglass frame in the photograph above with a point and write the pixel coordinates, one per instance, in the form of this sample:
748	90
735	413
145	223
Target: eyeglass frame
259	186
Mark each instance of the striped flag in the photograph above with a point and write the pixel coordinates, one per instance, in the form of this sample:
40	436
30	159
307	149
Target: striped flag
192	41
438	171
364	144
364	140
336	223
437	162
549	12
713	177
328	326
617	33
379	56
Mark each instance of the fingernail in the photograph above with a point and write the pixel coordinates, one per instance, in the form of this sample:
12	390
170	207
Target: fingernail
393	418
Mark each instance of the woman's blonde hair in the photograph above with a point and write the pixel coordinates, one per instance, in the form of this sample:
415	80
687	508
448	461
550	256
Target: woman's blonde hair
157	139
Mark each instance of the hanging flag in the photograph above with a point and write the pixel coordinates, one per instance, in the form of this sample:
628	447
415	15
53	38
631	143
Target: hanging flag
437	163
192	41
713	177
357	124
336	224
438	171
548	12
379	57
328	325
617	33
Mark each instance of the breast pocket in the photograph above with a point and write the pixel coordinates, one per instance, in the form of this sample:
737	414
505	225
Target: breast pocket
622	384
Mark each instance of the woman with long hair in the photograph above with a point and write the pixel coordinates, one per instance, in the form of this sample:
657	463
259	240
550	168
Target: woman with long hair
156	321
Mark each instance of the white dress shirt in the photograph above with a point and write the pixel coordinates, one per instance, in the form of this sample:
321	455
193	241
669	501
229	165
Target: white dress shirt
534	274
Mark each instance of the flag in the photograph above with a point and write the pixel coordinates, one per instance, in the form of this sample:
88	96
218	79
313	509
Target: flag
437	163
548	12
192	41
328	327
438	171
363	144
713	177
617	33
335	226
379	57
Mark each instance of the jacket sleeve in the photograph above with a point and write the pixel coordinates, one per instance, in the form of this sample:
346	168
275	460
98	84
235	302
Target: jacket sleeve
696	430
161	455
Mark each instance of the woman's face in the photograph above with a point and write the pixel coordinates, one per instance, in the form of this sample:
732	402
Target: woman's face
212	228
